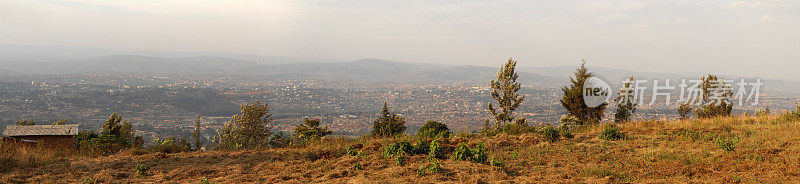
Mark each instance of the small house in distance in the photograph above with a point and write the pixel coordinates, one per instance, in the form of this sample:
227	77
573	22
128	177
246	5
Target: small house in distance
49	136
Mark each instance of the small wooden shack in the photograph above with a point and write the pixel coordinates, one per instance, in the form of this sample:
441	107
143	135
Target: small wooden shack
47	136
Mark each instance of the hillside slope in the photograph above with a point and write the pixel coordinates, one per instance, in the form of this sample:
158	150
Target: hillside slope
766	149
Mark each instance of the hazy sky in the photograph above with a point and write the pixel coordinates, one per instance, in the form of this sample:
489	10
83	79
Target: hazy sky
749	38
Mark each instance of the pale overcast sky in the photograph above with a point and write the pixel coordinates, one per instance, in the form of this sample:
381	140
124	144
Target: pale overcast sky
747	38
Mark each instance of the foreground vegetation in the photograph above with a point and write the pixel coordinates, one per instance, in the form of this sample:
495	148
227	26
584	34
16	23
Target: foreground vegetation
724	149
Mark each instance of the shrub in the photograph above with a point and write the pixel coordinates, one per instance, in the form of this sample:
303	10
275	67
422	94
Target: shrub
727	144
141	170
310	130
395	149
462	153
435	150
551	134
434	129
117	135
611	133
400	158
793	114
170	145
421	147
104	145
684	110
479	154
432	167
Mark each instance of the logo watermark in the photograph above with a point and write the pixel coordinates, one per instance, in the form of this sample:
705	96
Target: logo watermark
596	92
694	92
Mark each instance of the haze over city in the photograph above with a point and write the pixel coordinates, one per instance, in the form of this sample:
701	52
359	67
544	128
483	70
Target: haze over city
742	38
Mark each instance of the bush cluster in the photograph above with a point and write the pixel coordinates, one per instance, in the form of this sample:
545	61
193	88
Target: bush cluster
464	153
434	129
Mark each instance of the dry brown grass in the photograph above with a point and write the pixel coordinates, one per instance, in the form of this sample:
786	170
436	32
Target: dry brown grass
679	151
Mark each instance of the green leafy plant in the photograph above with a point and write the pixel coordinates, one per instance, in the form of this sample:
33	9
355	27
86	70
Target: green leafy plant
205	181
400	159
432	167
479	154
422	147
462	153
727	144
357	167
435	150
351	151
551	134
395	149
141	170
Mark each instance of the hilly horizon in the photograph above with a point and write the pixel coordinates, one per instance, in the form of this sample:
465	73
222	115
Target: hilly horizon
13	61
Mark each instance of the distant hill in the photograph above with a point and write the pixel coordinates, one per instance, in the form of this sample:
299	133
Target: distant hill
17	59
131	63
383	70
57	53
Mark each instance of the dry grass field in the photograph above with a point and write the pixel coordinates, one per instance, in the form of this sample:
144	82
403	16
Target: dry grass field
763	149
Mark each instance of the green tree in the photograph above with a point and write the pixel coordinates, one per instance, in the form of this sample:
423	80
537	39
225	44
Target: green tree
310	130
115	126
117	134
572	100
388	124
684	109
716	99
505	92
625	102
196	134
247	130
434	129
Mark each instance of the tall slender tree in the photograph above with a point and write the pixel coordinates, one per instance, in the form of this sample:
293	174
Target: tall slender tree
196	133
625	102
505	92
572	100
